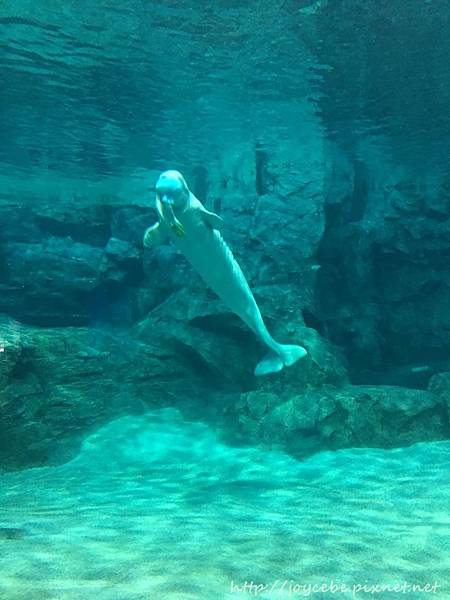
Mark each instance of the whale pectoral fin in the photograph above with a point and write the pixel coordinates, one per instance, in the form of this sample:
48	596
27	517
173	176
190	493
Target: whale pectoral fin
212	220
177	228
153	236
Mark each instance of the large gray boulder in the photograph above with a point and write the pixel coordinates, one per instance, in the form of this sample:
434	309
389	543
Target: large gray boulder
329	418
57	384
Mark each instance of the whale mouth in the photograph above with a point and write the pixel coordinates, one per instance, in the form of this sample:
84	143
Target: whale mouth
167	200
169	214
175	224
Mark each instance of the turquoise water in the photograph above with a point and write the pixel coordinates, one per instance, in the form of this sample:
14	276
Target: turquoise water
335	106
156	507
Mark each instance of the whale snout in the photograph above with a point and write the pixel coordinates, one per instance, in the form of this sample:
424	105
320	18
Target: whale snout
171	188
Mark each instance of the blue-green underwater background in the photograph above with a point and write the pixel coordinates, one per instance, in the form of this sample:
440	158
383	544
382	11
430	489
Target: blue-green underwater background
140	458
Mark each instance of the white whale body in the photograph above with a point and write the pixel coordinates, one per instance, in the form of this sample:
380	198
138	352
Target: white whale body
195	231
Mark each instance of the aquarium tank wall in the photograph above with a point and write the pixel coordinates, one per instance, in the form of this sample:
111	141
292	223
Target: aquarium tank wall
319	132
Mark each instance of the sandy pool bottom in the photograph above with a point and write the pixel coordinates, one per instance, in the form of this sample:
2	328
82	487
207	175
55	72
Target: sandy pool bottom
156	508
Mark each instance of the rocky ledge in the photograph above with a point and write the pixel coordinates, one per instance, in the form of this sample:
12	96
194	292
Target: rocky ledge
59	383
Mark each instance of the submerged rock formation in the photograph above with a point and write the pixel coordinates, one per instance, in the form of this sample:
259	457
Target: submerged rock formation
104	327
384	287
66	265
57	384
329	418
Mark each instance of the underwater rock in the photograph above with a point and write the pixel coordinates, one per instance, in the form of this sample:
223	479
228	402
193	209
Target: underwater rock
128	222
122	263
384	286
196	327
287	233
62	282
122	252
337	266
440	384
50	282
59	261
86	224
192	322
56	384
329	418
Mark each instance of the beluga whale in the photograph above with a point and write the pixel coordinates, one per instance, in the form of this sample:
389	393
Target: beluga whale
196	232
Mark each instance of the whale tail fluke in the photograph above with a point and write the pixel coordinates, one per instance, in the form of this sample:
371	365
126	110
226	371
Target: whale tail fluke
285	356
